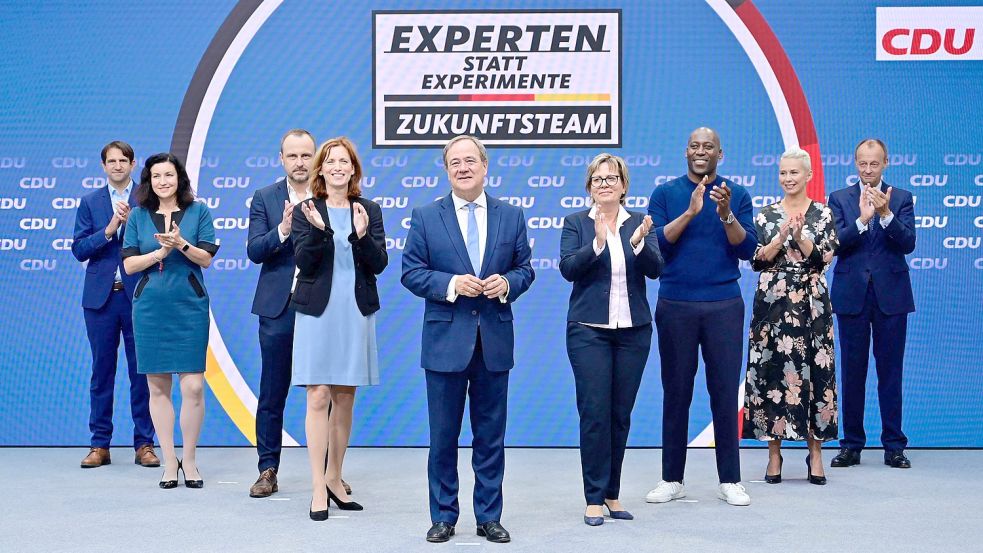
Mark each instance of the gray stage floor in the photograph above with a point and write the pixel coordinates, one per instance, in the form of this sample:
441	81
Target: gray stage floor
52	505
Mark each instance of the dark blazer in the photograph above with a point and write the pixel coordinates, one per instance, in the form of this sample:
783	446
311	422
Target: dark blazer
264	248
314	254
434	253
89	244
591	273
878	254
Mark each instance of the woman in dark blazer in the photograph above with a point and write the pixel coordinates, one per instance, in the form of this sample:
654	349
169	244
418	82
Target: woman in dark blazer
606	252
339	247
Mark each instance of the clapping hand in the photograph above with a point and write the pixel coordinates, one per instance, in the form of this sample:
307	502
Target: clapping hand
172	239
600	229
866	206
696	198
288	215
881	201
798	222
642	231
121	212
721	196
312	214
360	219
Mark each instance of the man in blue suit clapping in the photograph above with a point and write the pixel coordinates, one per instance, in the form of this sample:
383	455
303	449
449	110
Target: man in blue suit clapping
468	256
871	296
106	296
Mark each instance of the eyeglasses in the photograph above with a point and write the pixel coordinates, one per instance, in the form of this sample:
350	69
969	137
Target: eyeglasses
468	161
610	180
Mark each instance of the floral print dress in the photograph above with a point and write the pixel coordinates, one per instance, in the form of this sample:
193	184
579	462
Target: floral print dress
790	392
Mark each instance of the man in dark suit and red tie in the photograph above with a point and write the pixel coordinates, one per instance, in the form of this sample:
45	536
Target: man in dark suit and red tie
871	295
106	296
468	256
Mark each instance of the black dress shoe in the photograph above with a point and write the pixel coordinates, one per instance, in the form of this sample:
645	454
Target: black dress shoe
169	484
196	484
343	505
494	532
846	458
440	532
776	478
897	460
813	479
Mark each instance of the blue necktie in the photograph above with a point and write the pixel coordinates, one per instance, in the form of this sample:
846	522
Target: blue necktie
473	247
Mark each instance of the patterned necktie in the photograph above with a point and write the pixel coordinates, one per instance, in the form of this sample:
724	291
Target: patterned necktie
473	248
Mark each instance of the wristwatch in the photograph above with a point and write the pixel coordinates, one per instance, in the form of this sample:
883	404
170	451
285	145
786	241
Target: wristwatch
187	245
730	219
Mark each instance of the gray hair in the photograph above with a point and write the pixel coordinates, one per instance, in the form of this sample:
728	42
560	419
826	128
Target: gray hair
460	137
798	153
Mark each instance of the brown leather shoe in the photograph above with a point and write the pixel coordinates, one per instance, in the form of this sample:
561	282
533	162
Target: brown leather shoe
145	456
97	457
348	489
265	485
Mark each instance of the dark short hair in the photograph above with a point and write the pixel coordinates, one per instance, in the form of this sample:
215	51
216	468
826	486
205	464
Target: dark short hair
119	145
871	142
296	132
146	196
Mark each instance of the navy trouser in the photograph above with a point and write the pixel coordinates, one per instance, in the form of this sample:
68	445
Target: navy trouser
607	368
488	394
889	333
104	327
715	329
276	340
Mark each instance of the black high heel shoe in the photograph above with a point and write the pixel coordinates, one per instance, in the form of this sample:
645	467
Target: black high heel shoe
343	505
776	478
169	484
196	484
817	480
320	515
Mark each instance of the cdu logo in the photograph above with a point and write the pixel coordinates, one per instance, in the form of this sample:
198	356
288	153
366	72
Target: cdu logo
65	203
13	203
13	244
69	162
38	264
33	183
36	223
389	161
546	181
12	162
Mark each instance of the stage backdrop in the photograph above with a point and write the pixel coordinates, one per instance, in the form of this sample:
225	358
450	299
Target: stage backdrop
550	84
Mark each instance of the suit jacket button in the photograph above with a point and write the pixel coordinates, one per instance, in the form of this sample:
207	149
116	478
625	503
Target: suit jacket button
474	312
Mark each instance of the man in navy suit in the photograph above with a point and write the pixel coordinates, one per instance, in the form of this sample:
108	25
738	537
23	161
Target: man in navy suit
106	295
871	295
468	256
269	245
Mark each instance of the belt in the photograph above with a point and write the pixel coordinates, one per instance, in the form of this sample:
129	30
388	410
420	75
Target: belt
117	286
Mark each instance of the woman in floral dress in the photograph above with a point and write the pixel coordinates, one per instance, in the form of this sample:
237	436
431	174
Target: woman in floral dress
790	393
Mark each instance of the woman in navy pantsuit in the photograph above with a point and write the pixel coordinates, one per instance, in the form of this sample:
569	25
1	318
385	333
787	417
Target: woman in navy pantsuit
606	252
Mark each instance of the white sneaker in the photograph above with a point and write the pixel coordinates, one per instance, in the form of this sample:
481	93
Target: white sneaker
665	492
734	494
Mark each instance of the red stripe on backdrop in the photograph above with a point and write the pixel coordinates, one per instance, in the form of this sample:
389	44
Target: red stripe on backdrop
498	97
805	128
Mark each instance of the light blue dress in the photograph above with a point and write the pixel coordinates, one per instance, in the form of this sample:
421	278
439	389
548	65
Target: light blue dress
339	346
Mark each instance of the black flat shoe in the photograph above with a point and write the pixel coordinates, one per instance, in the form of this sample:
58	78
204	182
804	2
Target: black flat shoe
343	505
494	532
846	458
776	478
817	480
440	532
897	459
319	515
195	484
169	484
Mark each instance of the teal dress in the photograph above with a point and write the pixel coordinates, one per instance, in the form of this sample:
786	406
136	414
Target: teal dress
170	304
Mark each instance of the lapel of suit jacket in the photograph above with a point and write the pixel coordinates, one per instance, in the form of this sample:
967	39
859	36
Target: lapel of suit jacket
494	223
448	214
625	232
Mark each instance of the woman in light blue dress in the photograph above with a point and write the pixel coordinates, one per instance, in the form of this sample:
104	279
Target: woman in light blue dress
340	248
169	239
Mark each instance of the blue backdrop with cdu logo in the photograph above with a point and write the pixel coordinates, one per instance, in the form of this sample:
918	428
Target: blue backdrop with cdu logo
549	85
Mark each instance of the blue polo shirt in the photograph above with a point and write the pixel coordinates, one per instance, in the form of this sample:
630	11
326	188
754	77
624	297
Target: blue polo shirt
702	264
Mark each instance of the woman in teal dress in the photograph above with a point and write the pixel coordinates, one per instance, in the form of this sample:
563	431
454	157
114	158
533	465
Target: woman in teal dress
340	247
169	239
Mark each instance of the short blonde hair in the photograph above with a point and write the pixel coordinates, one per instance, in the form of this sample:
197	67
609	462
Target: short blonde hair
798	153
614	162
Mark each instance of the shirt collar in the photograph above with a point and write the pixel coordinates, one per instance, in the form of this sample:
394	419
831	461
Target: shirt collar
126	191
459	202
622	214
